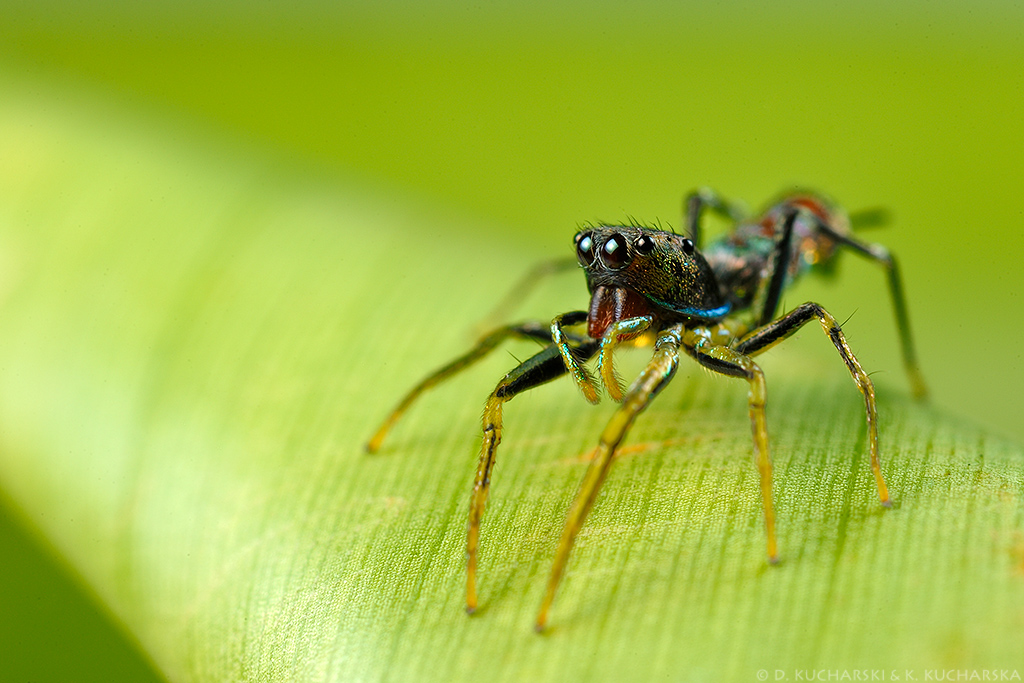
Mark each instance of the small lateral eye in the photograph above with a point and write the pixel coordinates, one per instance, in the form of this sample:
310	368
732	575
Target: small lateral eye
585	248
687	246
614	252
644	245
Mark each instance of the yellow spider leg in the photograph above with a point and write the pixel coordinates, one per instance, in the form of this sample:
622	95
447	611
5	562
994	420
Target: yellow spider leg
605	365
481	487
727	361
483	347
881	256
540	368
767	336
657	373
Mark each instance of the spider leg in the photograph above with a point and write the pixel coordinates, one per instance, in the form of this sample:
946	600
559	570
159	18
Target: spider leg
605	365
697	201
765	337
736	363
577	371
522	287
540	368
873	217
881	256
528	330
780	266
654	377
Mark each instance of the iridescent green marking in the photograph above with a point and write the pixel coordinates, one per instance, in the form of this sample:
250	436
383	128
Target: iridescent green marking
576	369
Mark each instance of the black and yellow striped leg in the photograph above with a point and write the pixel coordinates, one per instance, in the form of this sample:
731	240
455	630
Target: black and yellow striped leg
735	363
528	330
654	377
541	368
767	336
881	256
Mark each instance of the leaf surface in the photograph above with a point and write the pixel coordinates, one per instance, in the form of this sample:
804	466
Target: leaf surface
196	345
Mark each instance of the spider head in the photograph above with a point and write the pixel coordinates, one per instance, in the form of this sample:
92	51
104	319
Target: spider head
661	273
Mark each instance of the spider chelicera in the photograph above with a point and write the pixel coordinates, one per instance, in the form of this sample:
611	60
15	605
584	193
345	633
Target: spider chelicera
716	304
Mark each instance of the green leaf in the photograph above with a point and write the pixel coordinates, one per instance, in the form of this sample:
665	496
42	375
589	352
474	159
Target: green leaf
196	343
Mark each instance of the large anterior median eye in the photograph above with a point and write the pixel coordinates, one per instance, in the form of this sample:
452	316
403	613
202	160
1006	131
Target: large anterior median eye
585	248
644	244
614	252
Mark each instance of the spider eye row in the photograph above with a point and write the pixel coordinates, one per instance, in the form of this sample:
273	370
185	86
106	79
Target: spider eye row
615	252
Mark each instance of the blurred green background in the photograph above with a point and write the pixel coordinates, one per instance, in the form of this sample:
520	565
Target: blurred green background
529	118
